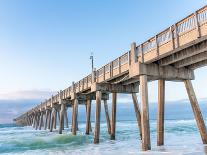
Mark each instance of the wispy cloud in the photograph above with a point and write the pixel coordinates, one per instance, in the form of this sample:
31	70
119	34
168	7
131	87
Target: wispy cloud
26	95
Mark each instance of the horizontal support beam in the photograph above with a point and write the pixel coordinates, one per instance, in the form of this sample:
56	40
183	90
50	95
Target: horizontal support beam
91	96
184	53
166	72
115	88
191	60
198	65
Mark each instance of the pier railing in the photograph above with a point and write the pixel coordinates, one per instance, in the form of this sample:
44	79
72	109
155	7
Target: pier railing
179	34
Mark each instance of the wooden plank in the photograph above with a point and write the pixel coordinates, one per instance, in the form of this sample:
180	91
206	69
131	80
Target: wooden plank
107	116
160	114
146	144
196	110
113	116
137	112
98	117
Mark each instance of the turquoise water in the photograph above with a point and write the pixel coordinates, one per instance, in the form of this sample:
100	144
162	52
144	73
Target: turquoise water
181	137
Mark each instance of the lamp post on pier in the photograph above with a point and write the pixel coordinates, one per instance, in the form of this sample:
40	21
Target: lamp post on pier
91	57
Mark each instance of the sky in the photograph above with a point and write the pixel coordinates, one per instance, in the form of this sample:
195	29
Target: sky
45	45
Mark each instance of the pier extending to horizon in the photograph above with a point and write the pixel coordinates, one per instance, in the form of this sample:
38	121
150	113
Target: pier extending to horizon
171	55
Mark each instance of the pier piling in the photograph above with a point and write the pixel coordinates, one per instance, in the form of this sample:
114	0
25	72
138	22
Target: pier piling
196	110
52	119
146	144
160	114
75	116
170	55
88	116
107	116
55	118
46	119
66	117
97	117
62	111
113	116
41	120
137	112
49	119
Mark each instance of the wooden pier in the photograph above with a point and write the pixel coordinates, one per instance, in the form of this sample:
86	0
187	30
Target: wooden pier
171	55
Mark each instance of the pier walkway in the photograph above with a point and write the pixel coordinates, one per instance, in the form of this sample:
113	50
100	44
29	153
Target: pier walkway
171	55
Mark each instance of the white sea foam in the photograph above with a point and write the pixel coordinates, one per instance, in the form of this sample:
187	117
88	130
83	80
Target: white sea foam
180	138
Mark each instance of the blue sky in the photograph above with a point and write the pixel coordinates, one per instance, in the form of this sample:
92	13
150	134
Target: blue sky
45	45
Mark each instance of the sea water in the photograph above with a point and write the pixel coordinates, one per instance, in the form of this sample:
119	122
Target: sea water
181	136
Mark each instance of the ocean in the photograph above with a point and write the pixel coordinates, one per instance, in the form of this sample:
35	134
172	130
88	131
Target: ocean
181	135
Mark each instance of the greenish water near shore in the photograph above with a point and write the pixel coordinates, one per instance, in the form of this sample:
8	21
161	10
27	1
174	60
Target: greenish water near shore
181	136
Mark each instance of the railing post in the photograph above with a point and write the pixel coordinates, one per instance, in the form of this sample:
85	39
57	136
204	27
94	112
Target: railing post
111	69
73	87
157	46
176	35
197	25
78	86
83	84
94	76
119	60
133	53
172	37
87	82
129	58
141	49
104	73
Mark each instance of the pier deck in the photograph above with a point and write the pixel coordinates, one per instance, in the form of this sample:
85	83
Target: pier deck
171	55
